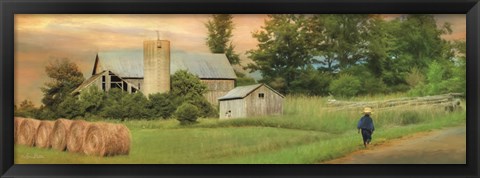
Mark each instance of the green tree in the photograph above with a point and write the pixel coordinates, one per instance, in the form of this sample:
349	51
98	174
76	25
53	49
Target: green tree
187	87
220	29
282	52
341	39
416	41
243	80
185	84
65	77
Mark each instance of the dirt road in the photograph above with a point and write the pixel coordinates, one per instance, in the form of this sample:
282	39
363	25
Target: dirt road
446	146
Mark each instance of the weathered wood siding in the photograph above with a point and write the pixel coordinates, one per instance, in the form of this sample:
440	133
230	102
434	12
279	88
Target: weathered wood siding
270	104
236	106
138	83
217	89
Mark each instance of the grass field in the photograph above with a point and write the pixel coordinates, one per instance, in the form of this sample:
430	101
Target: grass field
306	133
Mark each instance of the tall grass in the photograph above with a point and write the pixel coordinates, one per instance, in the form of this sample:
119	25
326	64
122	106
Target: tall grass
312	113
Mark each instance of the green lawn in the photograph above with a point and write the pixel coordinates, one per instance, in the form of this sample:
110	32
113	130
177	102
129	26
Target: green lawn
199	145
307	133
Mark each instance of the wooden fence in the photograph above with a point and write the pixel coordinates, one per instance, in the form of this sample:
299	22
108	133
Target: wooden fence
450	102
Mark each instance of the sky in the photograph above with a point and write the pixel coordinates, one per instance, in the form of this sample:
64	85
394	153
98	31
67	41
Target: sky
42	38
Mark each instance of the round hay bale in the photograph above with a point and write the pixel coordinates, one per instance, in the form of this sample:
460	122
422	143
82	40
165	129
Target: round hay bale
27	132
76	136
58	137
104	139
42	139
16	126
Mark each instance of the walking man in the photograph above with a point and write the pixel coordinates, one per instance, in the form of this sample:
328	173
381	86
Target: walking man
365	126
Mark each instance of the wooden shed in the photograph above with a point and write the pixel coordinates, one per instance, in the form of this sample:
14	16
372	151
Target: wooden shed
251	101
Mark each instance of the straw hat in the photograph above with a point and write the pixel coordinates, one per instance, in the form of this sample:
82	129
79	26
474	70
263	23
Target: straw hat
367	110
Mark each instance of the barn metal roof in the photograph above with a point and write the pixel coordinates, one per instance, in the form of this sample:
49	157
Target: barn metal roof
129	64
126	64
243	91
205	65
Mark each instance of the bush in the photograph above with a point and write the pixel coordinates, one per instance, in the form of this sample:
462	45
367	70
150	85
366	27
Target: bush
27	109
409	117
161	105
370	84
415	77
92	100
346	85
121	105
187	113
70	108
205	108
312	82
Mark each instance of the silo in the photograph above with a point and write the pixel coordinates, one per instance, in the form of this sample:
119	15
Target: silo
156	66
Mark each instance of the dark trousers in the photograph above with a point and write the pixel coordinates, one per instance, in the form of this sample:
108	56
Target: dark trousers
367	135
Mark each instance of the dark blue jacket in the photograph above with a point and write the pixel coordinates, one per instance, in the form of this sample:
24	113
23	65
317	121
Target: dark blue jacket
366	123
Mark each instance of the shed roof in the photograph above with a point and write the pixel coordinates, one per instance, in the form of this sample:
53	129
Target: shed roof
129	64
243	91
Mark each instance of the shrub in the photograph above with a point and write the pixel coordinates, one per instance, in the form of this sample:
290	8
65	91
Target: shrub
204	107
187	113
346	85
370	84
121	105
92	100
27	109
70	108
161	105
409	117
415	77
312	82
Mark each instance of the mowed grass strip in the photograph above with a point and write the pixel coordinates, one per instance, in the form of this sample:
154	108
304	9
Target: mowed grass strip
183	146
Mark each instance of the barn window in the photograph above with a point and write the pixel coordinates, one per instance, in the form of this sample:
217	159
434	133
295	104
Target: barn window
261	95
103	83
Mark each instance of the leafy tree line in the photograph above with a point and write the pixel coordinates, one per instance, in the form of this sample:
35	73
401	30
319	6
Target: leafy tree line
185	98
220	28
351	54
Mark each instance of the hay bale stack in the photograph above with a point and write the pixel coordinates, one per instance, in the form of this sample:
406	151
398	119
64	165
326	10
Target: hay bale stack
76	136
104	139
58	137
16	126
27	132
42	138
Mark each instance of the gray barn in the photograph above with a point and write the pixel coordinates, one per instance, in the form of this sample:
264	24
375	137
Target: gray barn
251	101
148	70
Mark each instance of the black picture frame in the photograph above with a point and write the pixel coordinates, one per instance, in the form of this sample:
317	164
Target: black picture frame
8	8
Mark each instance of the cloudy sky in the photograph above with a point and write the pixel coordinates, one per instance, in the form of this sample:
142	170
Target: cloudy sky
40	39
